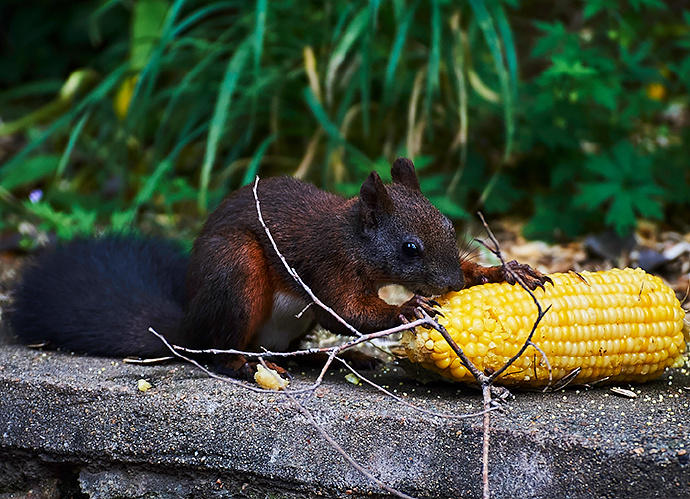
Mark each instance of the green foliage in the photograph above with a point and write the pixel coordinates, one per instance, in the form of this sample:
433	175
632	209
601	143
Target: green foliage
622	186
148	112
65	224
606	114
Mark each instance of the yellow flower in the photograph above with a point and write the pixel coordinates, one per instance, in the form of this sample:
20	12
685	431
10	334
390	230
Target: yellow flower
123	96
656	91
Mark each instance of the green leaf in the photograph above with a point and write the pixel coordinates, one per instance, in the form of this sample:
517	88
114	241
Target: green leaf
595	194
65	224
620	214
650	208
28	172
606	94
593	7
554	218
624	155
122	220
563	66
148	17
604	167
504	196
555	35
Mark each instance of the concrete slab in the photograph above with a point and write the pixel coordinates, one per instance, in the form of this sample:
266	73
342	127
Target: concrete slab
74	424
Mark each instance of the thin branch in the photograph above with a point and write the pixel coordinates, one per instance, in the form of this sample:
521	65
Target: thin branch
479	376
565	380
540	313
526	344
311	351
486	426
209	373
301	312
292	271
548	365
444	415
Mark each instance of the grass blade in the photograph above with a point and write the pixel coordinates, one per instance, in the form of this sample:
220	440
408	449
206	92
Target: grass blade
434	57
152	182
396	51
73	136
329	127
259	30
411	140
147	77
458	67
350	36
321	116
310	69
486	24
341	21
509	46
364	79
220	113
253	167
199	14
31	89
95	95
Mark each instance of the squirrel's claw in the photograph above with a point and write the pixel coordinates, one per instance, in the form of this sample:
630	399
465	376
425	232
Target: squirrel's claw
531	277
418	307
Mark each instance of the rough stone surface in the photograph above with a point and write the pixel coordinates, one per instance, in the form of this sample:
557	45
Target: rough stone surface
71	424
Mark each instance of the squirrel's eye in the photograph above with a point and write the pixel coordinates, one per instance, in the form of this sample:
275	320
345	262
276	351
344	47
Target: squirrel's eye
410	249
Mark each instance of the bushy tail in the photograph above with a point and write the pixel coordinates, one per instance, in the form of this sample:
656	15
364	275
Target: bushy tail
101	295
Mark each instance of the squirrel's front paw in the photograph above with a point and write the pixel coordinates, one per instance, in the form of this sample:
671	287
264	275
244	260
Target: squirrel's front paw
531	277
415	307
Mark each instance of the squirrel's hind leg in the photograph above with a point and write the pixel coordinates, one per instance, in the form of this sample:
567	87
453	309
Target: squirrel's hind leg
230	290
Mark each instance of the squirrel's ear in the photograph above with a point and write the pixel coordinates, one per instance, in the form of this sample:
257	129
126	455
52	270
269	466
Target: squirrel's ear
403	173
374	199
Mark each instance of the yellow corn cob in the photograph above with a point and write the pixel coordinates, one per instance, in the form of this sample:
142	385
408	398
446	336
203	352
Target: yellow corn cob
625	325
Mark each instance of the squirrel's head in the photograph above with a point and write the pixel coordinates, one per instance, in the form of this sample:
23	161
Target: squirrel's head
406	236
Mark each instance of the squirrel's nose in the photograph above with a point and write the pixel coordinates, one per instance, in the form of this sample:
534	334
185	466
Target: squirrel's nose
455	282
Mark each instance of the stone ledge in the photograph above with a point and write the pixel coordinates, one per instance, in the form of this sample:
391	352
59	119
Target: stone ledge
82	423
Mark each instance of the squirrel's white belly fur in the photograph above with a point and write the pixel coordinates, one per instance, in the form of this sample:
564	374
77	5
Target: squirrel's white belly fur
284	327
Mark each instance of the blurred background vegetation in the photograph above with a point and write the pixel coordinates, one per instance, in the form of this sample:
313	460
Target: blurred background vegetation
570	115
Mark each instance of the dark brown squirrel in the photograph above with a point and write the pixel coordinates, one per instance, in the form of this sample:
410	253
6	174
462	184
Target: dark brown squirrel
101	295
